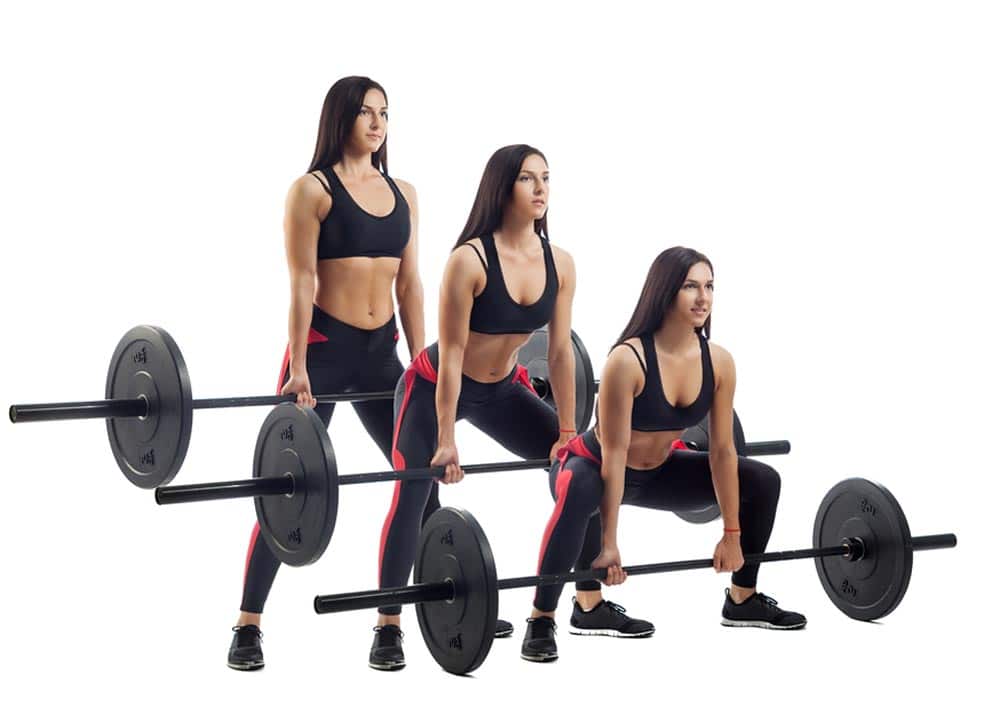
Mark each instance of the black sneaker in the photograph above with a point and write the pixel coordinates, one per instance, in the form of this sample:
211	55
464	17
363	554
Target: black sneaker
504	629
540	640
607	619
387	649
245	652
760	611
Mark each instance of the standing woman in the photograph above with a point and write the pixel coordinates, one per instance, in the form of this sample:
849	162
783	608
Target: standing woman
503	281
350	232
661	377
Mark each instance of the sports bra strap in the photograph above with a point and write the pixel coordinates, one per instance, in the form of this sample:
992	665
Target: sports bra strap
637	357
478	255
392	185
326	186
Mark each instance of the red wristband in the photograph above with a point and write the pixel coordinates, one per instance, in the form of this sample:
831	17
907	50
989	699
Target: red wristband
571	431
731	531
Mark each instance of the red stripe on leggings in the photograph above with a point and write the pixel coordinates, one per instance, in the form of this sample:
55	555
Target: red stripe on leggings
284	369
385	529
425	368
521	376
314	337
562	489
398	462
578	447
253	542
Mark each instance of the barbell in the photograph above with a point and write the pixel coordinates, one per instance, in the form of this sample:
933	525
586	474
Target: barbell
862	548
149	406
295	484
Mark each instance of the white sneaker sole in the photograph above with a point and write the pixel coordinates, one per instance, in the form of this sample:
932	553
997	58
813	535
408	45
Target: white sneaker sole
539	658
386	666
609	632
246	666
760	624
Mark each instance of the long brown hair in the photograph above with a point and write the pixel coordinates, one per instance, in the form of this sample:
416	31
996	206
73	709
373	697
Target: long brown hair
340	109
495	189
663	283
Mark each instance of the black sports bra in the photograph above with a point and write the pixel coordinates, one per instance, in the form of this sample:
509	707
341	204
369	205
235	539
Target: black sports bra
348	230
494	312
651	412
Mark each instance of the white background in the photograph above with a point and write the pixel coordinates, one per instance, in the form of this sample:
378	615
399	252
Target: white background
837	161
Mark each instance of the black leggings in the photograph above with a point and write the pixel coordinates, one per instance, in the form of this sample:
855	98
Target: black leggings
682	483
339	358
509	411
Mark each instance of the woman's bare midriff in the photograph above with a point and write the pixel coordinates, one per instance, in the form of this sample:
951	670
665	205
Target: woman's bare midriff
647	450
357	290
489	358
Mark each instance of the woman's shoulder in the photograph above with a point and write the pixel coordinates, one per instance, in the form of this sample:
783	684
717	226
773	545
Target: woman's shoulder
628	354
309	191
313	183
562	259
407	189
722	359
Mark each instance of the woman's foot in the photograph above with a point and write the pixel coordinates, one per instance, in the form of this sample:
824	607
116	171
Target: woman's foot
539	644
245	652
759	611
387	648
503	629
607	619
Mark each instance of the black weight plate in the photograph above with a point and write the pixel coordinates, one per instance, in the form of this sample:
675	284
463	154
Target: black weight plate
873	586
297	527
697	438
147	363
458	632
535	358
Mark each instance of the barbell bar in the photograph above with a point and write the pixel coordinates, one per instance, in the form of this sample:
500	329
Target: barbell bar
295	484
149	406
862	549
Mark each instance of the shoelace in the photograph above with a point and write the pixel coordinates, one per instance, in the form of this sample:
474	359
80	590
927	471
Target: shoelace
540	624
615	607
768	601
378	629
240	629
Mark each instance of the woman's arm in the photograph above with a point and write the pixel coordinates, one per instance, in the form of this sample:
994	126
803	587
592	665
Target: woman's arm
621	380
458	287
409	289
723	460
301	226
722	450
562	362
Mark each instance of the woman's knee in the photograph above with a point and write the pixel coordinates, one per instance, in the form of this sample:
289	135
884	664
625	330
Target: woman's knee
577	485
759	480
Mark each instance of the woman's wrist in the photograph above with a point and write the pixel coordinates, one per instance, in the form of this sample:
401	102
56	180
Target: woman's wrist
445	439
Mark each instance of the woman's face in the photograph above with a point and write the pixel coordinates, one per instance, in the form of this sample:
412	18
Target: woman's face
530	195
372	123
693	303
